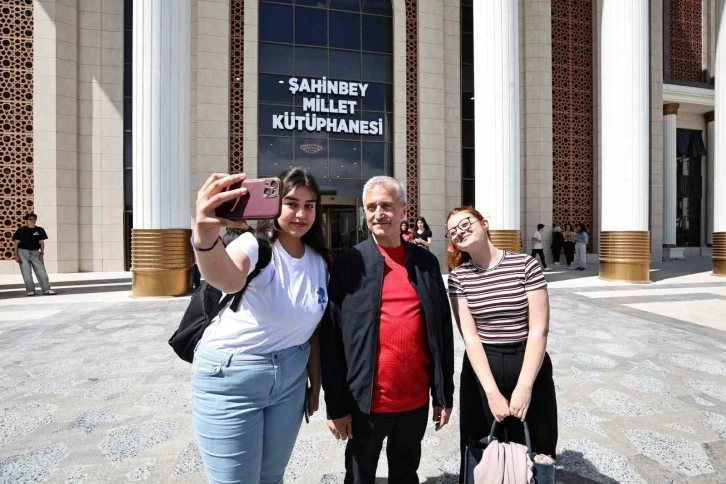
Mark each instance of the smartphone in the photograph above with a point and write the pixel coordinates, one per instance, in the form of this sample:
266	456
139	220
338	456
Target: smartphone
306	412
262	201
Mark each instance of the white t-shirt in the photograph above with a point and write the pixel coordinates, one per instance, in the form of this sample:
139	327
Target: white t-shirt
281	307
537	245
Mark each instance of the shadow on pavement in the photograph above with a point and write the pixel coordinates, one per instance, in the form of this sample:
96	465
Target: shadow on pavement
20	293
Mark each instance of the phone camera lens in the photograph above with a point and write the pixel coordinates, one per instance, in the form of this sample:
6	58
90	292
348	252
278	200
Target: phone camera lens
267	192
273	183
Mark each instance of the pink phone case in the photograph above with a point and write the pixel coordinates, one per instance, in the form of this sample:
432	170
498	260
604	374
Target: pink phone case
263	201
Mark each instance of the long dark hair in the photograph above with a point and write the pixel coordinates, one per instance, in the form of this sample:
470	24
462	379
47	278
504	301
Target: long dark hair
291	179
583	228
404	222
426	225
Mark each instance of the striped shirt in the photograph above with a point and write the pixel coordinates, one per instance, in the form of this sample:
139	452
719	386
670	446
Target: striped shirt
497	297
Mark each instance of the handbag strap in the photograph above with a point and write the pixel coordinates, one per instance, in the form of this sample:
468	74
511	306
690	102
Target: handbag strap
527	438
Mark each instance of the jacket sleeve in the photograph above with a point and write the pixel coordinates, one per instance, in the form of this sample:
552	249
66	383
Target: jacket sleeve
332	354
447	339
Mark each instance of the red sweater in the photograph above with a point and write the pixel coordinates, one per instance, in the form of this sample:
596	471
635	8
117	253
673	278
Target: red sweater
403	364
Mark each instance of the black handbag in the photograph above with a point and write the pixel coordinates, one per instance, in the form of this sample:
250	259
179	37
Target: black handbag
206	303
543	473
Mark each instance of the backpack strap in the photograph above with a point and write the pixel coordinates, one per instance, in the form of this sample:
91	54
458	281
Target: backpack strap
264	256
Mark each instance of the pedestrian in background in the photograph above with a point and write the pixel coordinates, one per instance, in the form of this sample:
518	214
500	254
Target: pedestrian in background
569	245
582	239
557	241
423	235
29	250
406	233
537	247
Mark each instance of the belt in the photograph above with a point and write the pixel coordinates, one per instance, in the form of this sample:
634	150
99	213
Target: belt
506	348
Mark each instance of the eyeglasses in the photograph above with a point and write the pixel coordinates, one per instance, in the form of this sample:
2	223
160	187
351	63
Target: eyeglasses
463	225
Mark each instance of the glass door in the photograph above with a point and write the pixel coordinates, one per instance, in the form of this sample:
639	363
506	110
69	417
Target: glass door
342	229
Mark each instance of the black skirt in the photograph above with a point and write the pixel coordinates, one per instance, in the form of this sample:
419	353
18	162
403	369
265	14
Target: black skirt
476	418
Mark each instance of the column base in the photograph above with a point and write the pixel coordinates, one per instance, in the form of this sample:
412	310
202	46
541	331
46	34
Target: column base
719	254
161	262
509	240
625	256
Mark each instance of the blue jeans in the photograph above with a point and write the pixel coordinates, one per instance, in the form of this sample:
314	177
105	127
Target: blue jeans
247	411
30	258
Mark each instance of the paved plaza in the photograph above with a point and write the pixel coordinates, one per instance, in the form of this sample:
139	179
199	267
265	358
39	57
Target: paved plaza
91	393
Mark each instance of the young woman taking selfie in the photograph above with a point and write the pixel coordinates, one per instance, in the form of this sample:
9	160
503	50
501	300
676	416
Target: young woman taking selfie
251	367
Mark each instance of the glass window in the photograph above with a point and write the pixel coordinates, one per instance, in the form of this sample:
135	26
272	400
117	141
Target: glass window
467	78
374	159
275	23
379	97
345	159
382	7
355	136
352	5
312	154
128	121
275	58
344	65
467	163
128	146
467	134
313	3
467	105
377	67
467	19
128	189
275	155
311	62
468	193
377	34
311	26
387	128
345	30
128	44
274	89
265	126
467	48
128	14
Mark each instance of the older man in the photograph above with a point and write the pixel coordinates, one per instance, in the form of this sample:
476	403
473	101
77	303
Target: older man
387	344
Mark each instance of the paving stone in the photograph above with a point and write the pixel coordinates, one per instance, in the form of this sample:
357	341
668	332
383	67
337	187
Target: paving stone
715	422
33	466
430	441
88	420
600	335
647	365
124	443
144	472
680	426
645	384
683	456
59	387
115	323
671	405
189	461
55	369
701	401
711	388
578	415
686	345
109	389
72	329
581	377
595	361
135	334
168	397
333	478
593	461
619	403
616	350
696	363
23	419
304	453
77	476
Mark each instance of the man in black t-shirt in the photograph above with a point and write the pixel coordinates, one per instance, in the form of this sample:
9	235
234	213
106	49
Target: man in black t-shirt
29	248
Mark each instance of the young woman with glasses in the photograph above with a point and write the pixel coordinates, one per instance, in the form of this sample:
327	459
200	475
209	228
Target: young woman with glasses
501	305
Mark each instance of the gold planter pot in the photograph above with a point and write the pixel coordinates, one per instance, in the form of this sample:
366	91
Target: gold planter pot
625	256
161	262
719	254
509	240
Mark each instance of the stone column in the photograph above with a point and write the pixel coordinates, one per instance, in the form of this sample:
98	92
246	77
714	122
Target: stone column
711	153
496	108
719	160
161	255
625	238
670	202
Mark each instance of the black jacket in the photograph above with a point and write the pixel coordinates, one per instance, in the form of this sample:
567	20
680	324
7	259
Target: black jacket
349	332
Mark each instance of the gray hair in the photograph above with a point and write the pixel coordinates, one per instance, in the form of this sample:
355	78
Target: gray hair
389	183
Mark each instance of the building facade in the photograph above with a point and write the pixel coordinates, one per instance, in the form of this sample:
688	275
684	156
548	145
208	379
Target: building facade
599	112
